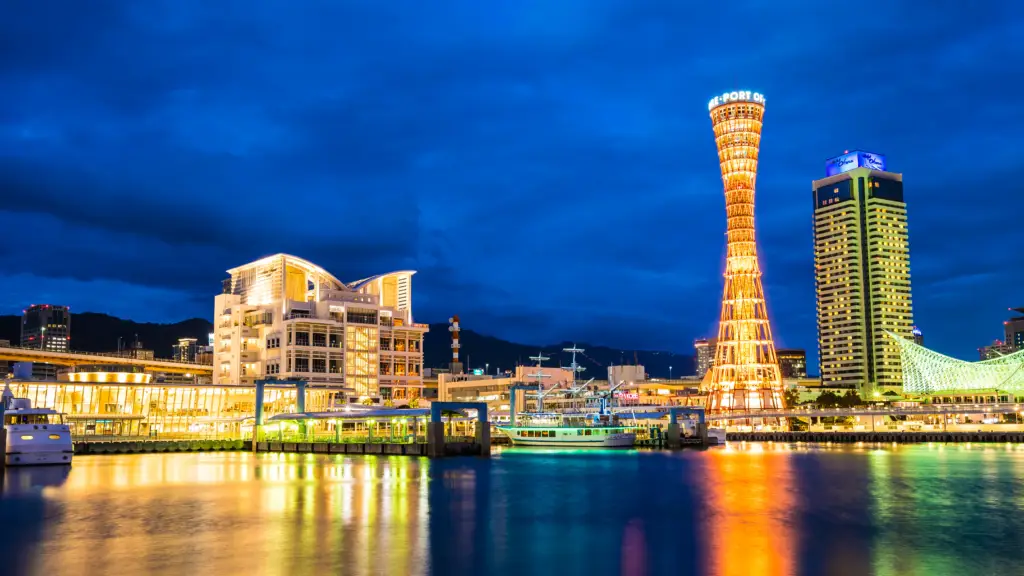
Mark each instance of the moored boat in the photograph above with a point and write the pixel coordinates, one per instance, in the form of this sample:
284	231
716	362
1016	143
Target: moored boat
34	435
570	431
716	435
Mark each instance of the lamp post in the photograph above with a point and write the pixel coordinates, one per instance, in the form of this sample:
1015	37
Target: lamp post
669	372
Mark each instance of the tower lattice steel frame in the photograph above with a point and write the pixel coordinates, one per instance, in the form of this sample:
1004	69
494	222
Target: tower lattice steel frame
745	375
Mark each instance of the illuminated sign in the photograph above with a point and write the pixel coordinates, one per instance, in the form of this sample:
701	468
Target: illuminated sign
738	96
478	372
336	309
855	159
627	395
210	337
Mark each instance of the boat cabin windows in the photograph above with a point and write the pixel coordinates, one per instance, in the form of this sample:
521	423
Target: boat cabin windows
537	433
599	431
14	419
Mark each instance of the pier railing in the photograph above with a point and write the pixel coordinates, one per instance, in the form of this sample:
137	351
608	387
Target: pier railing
331	438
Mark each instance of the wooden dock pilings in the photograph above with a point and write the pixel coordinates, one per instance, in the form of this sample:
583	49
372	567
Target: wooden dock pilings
869	436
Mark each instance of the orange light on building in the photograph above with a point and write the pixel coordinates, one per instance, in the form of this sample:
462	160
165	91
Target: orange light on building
745	374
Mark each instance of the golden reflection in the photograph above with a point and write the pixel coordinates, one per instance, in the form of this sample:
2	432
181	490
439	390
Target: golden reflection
237	513
749	490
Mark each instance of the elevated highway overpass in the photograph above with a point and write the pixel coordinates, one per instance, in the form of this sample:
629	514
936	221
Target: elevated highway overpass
18	354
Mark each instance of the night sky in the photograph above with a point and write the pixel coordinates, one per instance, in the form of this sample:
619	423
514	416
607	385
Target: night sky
548	167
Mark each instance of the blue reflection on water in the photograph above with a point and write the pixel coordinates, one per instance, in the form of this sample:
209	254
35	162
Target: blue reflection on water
747	509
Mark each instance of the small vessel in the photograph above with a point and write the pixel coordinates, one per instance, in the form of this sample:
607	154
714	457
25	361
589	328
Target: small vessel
570	431
34	435
716	436
600	429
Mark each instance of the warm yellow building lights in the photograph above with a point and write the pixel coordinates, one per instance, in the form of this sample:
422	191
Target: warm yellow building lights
862	272
745	375
285	317
107	377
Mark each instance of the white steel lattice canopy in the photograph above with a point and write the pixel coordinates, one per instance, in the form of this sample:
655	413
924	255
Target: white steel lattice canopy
928	372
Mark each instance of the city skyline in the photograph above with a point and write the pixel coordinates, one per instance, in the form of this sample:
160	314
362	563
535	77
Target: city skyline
495	157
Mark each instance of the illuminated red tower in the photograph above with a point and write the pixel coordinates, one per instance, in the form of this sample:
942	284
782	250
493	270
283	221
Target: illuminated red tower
745	375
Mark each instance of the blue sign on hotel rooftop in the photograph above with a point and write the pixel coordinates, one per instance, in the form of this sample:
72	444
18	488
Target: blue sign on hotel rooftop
855	159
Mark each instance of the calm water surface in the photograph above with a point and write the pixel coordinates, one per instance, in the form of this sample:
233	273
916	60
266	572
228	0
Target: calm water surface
746	509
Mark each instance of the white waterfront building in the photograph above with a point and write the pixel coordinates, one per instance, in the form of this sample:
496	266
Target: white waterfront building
285	317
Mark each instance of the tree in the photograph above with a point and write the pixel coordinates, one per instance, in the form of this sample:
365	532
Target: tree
828	399
791	397
414	403
850	400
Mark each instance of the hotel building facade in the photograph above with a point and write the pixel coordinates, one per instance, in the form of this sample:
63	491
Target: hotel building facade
284	317
862	273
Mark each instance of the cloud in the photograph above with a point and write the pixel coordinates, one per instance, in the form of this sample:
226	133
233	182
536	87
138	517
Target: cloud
548	167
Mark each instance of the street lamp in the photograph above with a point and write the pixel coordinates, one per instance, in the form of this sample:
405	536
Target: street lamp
487	368
669	372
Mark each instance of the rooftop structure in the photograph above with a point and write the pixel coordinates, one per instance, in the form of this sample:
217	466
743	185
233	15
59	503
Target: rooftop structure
928	372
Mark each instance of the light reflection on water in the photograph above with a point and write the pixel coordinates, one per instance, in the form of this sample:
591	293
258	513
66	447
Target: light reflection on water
744	509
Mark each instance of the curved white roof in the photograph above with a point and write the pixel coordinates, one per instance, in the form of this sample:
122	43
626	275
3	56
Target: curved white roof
295	261
359	284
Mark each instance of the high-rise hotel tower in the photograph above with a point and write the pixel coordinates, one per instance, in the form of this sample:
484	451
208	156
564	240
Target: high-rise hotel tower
862	272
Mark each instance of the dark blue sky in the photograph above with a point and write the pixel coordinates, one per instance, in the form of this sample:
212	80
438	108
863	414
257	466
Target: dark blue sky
547	166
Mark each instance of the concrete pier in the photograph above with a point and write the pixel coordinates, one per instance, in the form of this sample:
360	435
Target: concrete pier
150	446
673	436
418	449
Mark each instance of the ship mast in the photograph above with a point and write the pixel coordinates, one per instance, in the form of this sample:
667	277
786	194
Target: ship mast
540	376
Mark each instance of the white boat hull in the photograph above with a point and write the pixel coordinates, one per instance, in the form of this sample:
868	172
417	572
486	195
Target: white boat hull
30	445
617	440
38	458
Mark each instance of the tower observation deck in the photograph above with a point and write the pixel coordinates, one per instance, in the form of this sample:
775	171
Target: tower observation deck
745	374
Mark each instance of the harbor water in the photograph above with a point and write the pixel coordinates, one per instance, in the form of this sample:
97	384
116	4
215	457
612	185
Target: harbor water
742	509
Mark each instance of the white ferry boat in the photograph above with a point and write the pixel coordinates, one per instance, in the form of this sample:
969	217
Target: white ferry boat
716	436
34	435
570	431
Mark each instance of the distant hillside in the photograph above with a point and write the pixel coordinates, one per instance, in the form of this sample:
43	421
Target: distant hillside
94	332
478	349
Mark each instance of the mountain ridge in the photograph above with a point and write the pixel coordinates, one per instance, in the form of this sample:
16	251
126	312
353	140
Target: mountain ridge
99	332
